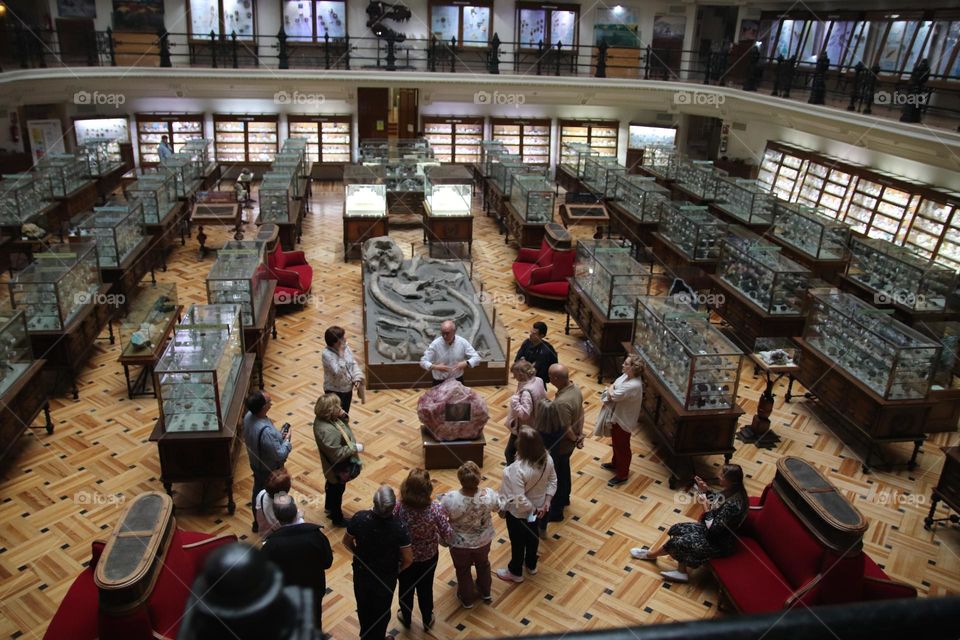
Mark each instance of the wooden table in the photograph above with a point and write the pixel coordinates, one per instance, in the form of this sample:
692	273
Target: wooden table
947	489
146	359
576	214
759	432
216	214
20	405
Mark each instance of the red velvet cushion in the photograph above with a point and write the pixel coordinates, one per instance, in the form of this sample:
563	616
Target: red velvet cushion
786	540
96	549
562	264
876	585
285	295
557	290
842	579
169	596
276	259
133	625
521	272
540	275
76	618
305	272
752	581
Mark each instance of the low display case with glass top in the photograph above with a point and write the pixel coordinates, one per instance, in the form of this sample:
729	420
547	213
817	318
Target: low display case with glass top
504	165
768	279
25	198
574	156
65	172
532	197
156	194
691	357
447	199
700	178
276	197
641	197
607	272
365	200
56	285
239	277
693	230
661	161
148	317
490	152
893	360
200	152
117	230
16	353
178	166
102	155
810	232
898	276
198	372
745	201
601	174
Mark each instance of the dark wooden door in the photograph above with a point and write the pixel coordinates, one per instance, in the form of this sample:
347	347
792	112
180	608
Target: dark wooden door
78	41
373	110
408	113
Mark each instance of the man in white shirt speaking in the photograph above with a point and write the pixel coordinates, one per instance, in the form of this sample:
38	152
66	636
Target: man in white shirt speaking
449	355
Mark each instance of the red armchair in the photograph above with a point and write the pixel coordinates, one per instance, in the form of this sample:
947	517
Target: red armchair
542	273
79	618
293	275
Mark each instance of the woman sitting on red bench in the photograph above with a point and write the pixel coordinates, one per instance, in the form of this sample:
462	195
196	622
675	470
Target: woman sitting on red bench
691	544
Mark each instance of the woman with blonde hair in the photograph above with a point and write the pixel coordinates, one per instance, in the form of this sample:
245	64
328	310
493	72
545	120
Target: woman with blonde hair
339	453
427	525
523	403
619	417
469	511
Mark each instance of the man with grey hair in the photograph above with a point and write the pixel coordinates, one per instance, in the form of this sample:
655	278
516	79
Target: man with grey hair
300	550
381	549
449	355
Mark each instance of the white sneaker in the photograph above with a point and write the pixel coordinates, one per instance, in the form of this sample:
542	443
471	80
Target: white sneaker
504	574
531	572
675	576
641	554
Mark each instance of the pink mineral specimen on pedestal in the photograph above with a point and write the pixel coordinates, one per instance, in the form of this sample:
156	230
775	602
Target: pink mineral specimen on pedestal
452	411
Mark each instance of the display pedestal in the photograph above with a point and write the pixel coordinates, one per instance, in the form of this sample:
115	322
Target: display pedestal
527	234
759	433
606	337
447	230
20	405
947	489
450	454
359	229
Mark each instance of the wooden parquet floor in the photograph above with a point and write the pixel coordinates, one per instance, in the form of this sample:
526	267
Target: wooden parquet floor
58	493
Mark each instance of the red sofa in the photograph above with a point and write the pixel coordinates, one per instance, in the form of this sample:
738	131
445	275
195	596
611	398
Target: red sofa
293	275
78	617
542	273
779	563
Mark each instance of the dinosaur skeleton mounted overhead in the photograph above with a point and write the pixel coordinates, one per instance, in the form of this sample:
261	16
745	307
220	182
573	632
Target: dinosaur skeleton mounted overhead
378	11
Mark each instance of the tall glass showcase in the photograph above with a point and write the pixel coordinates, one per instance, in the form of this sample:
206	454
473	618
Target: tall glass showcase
532	197
490	151
745	201
447	199
239	277
770	280
178	166
641	197
24	197
662	161
367	200
117	229
810	232
148	316
102	155
199	370
574	155
200	151
56	285
691	357
156	194
601	173
899	276
16	353
700	178
276	197
504	165
692	229
895	361
607	272
64	171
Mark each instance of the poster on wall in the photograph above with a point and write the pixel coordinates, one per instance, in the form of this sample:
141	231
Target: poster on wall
617	26
669	27
144	16
45	136
77	8
749	29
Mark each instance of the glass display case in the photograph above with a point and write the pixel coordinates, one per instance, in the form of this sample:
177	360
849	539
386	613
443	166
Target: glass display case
454	139
745	201
532	197
599	135
276	197
56	285
601	173
698	364
178	127
661	161
877	208
367	200
490	151
502	167
756	269
199	150
447	199
641	197
16	353
608	273
178	167
947	374
156	194
64	171
197	374
825	186
530	139
899	276
239	277
692	229
148	316
933	231
700	178
781	170
102	156
245	138
810	232
24	197
895	361
117	229
574	155
328	138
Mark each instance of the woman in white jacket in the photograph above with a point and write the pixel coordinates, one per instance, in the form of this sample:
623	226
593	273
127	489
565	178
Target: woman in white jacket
530	391
528	487
623	400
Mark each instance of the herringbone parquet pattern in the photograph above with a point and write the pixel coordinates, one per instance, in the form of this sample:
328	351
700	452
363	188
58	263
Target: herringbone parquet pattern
58	493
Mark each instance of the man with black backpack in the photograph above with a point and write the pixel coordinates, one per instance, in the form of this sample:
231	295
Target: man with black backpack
267	448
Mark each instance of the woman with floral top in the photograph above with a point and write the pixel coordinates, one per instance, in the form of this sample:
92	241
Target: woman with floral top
428	526
341	374
469	511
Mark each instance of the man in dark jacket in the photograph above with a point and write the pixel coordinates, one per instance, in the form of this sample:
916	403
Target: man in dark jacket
538	351
300	550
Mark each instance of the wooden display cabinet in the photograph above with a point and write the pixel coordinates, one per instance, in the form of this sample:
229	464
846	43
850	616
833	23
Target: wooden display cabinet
696	273
526	233
947	489
605	336
454	139
245	138
749	321
329	137
20	404
178	127
601	135
529	139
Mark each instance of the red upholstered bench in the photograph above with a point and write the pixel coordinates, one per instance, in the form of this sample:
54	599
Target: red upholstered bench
293	275
543	273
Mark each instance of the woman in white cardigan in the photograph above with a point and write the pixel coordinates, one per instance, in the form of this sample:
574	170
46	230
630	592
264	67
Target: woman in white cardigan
530	391
622	403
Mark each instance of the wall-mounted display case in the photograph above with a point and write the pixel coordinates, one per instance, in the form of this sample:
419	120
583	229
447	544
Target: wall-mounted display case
745	201
698	364
117	129
276	197
574	156
810	232
328	138
661	161
692	229
177	167
198	372
825	186
601	173
64	171
178	127
25	196
454	139
878	208
700	178
16	354
367	200
245	138
102	156
898	276
600	135
608	273
532	197
641	197
115	229
935	229
156	194
56	285
771	281
148	317
239	277
895	361
529	139
781	172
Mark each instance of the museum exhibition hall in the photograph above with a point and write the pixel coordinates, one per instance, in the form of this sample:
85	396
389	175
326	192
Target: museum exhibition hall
731	228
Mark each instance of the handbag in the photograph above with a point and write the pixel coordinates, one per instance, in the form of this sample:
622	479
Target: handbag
604	419
348	468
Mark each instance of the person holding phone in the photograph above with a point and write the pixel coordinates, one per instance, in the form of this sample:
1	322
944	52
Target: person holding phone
339	453
267	448
692	544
